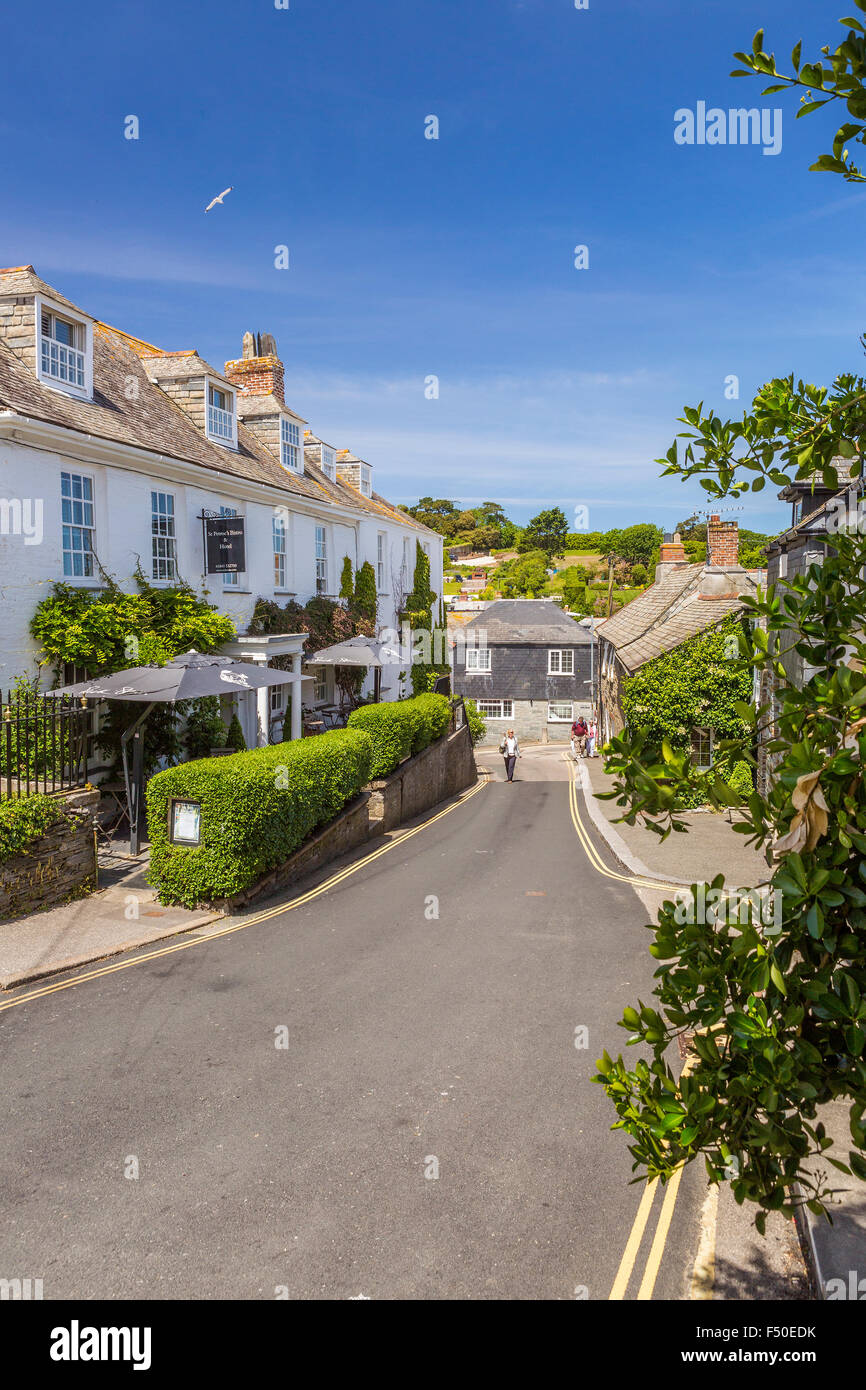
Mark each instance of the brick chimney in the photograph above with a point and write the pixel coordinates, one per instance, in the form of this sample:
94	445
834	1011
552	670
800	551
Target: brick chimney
259	372
672	550
723	543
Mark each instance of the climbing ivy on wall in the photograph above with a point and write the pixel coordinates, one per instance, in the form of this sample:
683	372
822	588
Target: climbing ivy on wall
698	683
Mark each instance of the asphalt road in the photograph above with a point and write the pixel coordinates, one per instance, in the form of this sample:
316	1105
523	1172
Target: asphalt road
416	1043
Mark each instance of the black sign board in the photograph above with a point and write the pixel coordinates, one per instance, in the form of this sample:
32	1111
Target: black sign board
224	545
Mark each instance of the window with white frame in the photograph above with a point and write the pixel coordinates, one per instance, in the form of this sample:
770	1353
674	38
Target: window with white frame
220	414
230	580
380	562
79	534
321	560
407	558
496	709
163	541
477	659
560	662
277	696
280	568
560	712
63	350
366	480
290	445
320	688
702	749
329	463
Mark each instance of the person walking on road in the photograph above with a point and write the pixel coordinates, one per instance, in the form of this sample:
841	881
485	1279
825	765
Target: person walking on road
510	750
578	737
591	739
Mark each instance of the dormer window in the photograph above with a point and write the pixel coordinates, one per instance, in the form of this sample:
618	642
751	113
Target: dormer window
221	415
64	356
366	480
290	445
329	463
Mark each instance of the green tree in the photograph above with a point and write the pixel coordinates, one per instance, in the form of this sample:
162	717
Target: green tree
840	80
546	531
347	590
365	600
777	1010
634	544
419	606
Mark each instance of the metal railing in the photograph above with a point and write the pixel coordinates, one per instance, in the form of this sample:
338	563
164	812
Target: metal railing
43	743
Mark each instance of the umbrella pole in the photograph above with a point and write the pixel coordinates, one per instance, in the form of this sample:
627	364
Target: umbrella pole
134	786
377	684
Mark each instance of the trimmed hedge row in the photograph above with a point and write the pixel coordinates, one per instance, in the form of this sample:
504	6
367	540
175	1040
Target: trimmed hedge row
399	728
257	809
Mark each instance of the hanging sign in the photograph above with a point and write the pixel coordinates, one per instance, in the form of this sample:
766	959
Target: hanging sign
224	545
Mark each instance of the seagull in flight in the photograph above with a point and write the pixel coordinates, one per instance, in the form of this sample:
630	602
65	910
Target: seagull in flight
213	202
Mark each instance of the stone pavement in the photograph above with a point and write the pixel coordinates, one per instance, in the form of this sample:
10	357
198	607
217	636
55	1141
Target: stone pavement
710	847
122	914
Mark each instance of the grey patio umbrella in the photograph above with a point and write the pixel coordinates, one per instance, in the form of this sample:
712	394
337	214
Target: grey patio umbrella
191	676
355	651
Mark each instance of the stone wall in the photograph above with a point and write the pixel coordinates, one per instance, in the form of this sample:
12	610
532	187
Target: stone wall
440	771
59	863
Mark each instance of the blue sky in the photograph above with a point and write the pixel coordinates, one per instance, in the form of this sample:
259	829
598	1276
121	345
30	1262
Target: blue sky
413	257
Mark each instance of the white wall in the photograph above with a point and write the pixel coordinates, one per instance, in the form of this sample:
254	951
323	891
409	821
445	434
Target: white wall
122	517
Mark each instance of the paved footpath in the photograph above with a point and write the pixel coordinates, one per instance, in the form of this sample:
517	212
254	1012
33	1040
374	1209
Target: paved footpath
429	1001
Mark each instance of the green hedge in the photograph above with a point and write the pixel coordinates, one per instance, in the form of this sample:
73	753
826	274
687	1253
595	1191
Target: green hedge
24	819
257	808
399	728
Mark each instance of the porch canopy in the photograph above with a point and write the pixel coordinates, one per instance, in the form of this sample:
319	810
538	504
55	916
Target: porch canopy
191	676
357	651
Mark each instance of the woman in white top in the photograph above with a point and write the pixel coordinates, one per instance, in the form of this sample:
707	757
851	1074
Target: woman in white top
510	750
591	738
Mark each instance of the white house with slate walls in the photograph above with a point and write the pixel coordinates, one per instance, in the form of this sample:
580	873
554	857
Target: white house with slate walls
112	450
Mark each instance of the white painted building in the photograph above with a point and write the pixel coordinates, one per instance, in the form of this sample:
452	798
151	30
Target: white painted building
112	450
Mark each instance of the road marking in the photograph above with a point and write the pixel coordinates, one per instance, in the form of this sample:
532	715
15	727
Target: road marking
595	858
626	1264
657	1249
264	916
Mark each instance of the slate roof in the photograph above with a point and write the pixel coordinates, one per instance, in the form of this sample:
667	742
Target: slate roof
153	421
671	611
525	622
637	617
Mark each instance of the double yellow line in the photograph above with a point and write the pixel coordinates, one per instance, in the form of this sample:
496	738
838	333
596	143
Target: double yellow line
188	941
595	858
672	1187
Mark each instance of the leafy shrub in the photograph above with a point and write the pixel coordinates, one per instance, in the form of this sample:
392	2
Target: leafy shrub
477	725
24	820
235	736
204	728
399	728
257	808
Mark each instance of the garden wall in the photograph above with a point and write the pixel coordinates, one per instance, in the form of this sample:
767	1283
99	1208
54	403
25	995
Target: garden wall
61	862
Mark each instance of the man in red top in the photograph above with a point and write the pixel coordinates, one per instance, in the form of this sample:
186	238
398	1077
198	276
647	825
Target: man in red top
578	736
